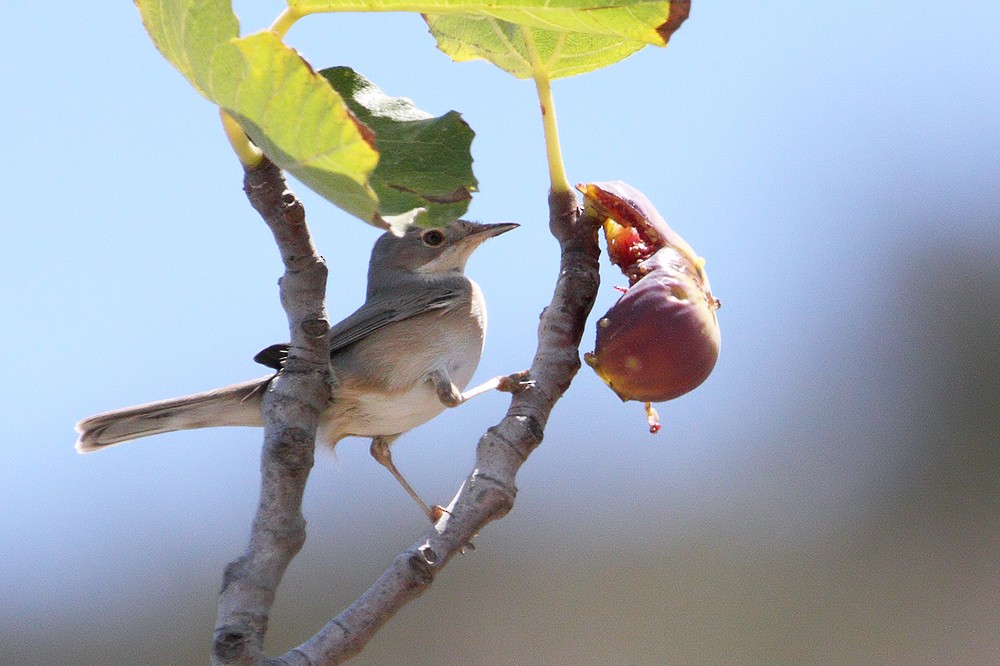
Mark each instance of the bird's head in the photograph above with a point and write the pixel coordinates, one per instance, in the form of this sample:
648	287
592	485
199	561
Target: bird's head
436	250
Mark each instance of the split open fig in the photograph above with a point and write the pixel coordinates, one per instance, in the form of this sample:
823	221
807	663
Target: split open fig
661	339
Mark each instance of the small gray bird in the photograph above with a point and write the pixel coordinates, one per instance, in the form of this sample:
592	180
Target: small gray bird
398	361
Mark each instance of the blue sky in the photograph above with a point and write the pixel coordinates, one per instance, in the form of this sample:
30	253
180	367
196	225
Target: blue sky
825	159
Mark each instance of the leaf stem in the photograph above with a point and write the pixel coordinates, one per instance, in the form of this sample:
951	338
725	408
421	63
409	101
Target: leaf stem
553	153
557	171
285	20
249	155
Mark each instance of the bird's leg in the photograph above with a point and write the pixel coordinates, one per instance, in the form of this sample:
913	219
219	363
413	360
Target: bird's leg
380	452
451	396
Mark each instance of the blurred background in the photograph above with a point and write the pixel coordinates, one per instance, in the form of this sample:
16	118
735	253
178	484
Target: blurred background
830	495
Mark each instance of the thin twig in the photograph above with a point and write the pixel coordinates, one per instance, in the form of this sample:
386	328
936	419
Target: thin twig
292	406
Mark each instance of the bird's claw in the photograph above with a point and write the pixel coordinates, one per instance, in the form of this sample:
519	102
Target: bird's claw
437	512
515	383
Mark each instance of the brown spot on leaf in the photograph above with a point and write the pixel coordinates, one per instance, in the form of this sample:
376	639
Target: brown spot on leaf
367	133
679	10
457	196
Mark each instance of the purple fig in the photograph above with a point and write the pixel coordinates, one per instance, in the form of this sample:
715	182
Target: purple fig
661	339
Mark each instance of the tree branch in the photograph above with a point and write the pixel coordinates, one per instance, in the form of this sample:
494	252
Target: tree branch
292	405
488	494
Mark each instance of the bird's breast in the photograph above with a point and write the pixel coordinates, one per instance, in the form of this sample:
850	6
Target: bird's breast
382	384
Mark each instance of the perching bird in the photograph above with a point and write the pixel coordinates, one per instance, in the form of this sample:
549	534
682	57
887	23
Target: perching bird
398	361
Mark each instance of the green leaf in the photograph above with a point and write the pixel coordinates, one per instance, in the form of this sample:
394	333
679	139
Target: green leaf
525	52
425	161
630	19
528	51
528	38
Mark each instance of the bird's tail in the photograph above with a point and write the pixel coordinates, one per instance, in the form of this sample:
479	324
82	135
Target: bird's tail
236	405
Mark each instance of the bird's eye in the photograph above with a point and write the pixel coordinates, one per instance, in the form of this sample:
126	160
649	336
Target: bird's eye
432	237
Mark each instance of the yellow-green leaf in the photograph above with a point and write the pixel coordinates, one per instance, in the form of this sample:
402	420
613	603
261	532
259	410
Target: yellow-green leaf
301	123
288	110
636	20
533	38
188	34
510	47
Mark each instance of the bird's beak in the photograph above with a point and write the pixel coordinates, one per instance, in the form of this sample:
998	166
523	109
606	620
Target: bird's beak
480	232
457	253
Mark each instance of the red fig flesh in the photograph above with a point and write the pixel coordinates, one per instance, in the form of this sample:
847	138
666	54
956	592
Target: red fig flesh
661	339
621	205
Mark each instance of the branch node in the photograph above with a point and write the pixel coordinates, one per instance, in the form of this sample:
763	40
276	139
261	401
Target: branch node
493	491
563	213
293	449
426	552
316	328
527	429
420	566
234	644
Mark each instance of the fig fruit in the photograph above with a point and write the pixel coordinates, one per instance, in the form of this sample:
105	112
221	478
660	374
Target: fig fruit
661	339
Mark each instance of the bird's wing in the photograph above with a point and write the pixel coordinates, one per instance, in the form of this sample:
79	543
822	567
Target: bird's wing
376	313
379	312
